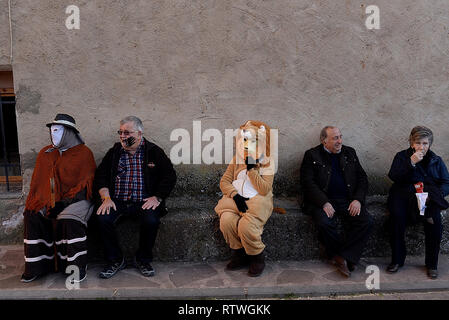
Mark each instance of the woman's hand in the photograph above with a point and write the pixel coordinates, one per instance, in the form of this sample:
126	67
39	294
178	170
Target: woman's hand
417	157
329	209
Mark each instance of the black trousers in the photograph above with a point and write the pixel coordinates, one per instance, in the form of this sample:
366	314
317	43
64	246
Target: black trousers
359	229
51	244
401	208
149	225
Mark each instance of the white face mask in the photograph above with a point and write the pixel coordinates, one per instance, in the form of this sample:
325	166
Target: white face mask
56	131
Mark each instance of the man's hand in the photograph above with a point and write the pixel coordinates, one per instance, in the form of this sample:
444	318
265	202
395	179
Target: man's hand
329	209
417	157
106	206
354	208
150	203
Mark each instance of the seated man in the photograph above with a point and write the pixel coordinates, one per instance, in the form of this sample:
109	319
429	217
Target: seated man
333	182
134	179
58	207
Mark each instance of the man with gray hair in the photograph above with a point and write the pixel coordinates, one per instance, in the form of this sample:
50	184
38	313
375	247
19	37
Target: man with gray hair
334	183
134	179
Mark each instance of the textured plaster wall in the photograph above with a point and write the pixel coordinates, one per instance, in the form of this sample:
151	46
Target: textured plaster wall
5	40
298	65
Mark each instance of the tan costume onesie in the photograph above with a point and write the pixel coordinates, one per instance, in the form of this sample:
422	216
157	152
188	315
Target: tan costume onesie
245	229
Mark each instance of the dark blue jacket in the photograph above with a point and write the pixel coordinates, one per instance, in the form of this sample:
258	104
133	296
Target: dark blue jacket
404	175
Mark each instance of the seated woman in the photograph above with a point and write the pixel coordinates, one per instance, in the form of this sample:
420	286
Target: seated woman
417	164
58	206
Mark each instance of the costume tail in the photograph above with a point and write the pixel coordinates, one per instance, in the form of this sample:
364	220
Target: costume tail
279	210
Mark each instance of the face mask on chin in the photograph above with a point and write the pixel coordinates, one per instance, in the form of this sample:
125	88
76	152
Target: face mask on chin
56	133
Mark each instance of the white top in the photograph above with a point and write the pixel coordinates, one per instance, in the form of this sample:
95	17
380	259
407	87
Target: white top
244	186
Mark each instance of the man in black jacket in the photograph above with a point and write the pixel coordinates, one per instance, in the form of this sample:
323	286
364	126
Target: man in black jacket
334	182
134	179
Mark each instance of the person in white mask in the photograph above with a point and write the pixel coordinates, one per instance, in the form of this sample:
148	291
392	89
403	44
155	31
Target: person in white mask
56	133
60	193
63	136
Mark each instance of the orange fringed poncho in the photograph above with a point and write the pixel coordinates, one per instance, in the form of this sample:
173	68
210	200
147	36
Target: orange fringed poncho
72	171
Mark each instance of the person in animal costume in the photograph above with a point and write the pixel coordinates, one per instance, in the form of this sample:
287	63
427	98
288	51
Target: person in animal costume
247	200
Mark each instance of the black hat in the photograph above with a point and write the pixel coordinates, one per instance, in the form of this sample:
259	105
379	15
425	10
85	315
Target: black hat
65	120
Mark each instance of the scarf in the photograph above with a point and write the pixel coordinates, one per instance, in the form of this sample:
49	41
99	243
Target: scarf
60	175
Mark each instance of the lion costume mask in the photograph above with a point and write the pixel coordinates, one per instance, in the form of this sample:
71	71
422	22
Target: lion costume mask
253	143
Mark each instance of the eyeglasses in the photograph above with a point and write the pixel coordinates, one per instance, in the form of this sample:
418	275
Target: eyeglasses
126	132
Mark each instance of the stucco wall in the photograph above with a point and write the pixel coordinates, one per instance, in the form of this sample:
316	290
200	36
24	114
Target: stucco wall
5	42
298	65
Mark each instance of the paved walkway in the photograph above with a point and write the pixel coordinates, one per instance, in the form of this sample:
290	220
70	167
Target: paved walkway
178	280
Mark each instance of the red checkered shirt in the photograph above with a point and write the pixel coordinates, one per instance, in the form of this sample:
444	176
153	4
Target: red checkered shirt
129	183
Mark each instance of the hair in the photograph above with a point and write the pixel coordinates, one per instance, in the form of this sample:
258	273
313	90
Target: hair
323	133
421	132
136	121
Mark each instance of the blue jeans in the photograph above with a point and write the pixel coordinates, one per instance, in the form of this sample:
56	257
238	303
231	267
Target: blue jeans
149	224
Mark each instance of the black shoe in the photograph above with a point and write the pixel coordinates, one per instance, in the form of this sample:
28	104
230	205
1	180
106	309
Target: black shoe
432	273
257	264
27	279
145	268
393	267
111	269
239	260
351	266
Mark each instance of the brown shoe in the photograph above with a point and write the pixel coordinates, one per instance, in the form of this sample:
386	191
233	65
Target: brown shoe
239	260
257	264
342	266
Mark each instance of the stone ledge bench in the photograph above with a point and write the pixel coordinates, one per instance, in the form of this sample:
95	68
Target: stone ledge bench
191	233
